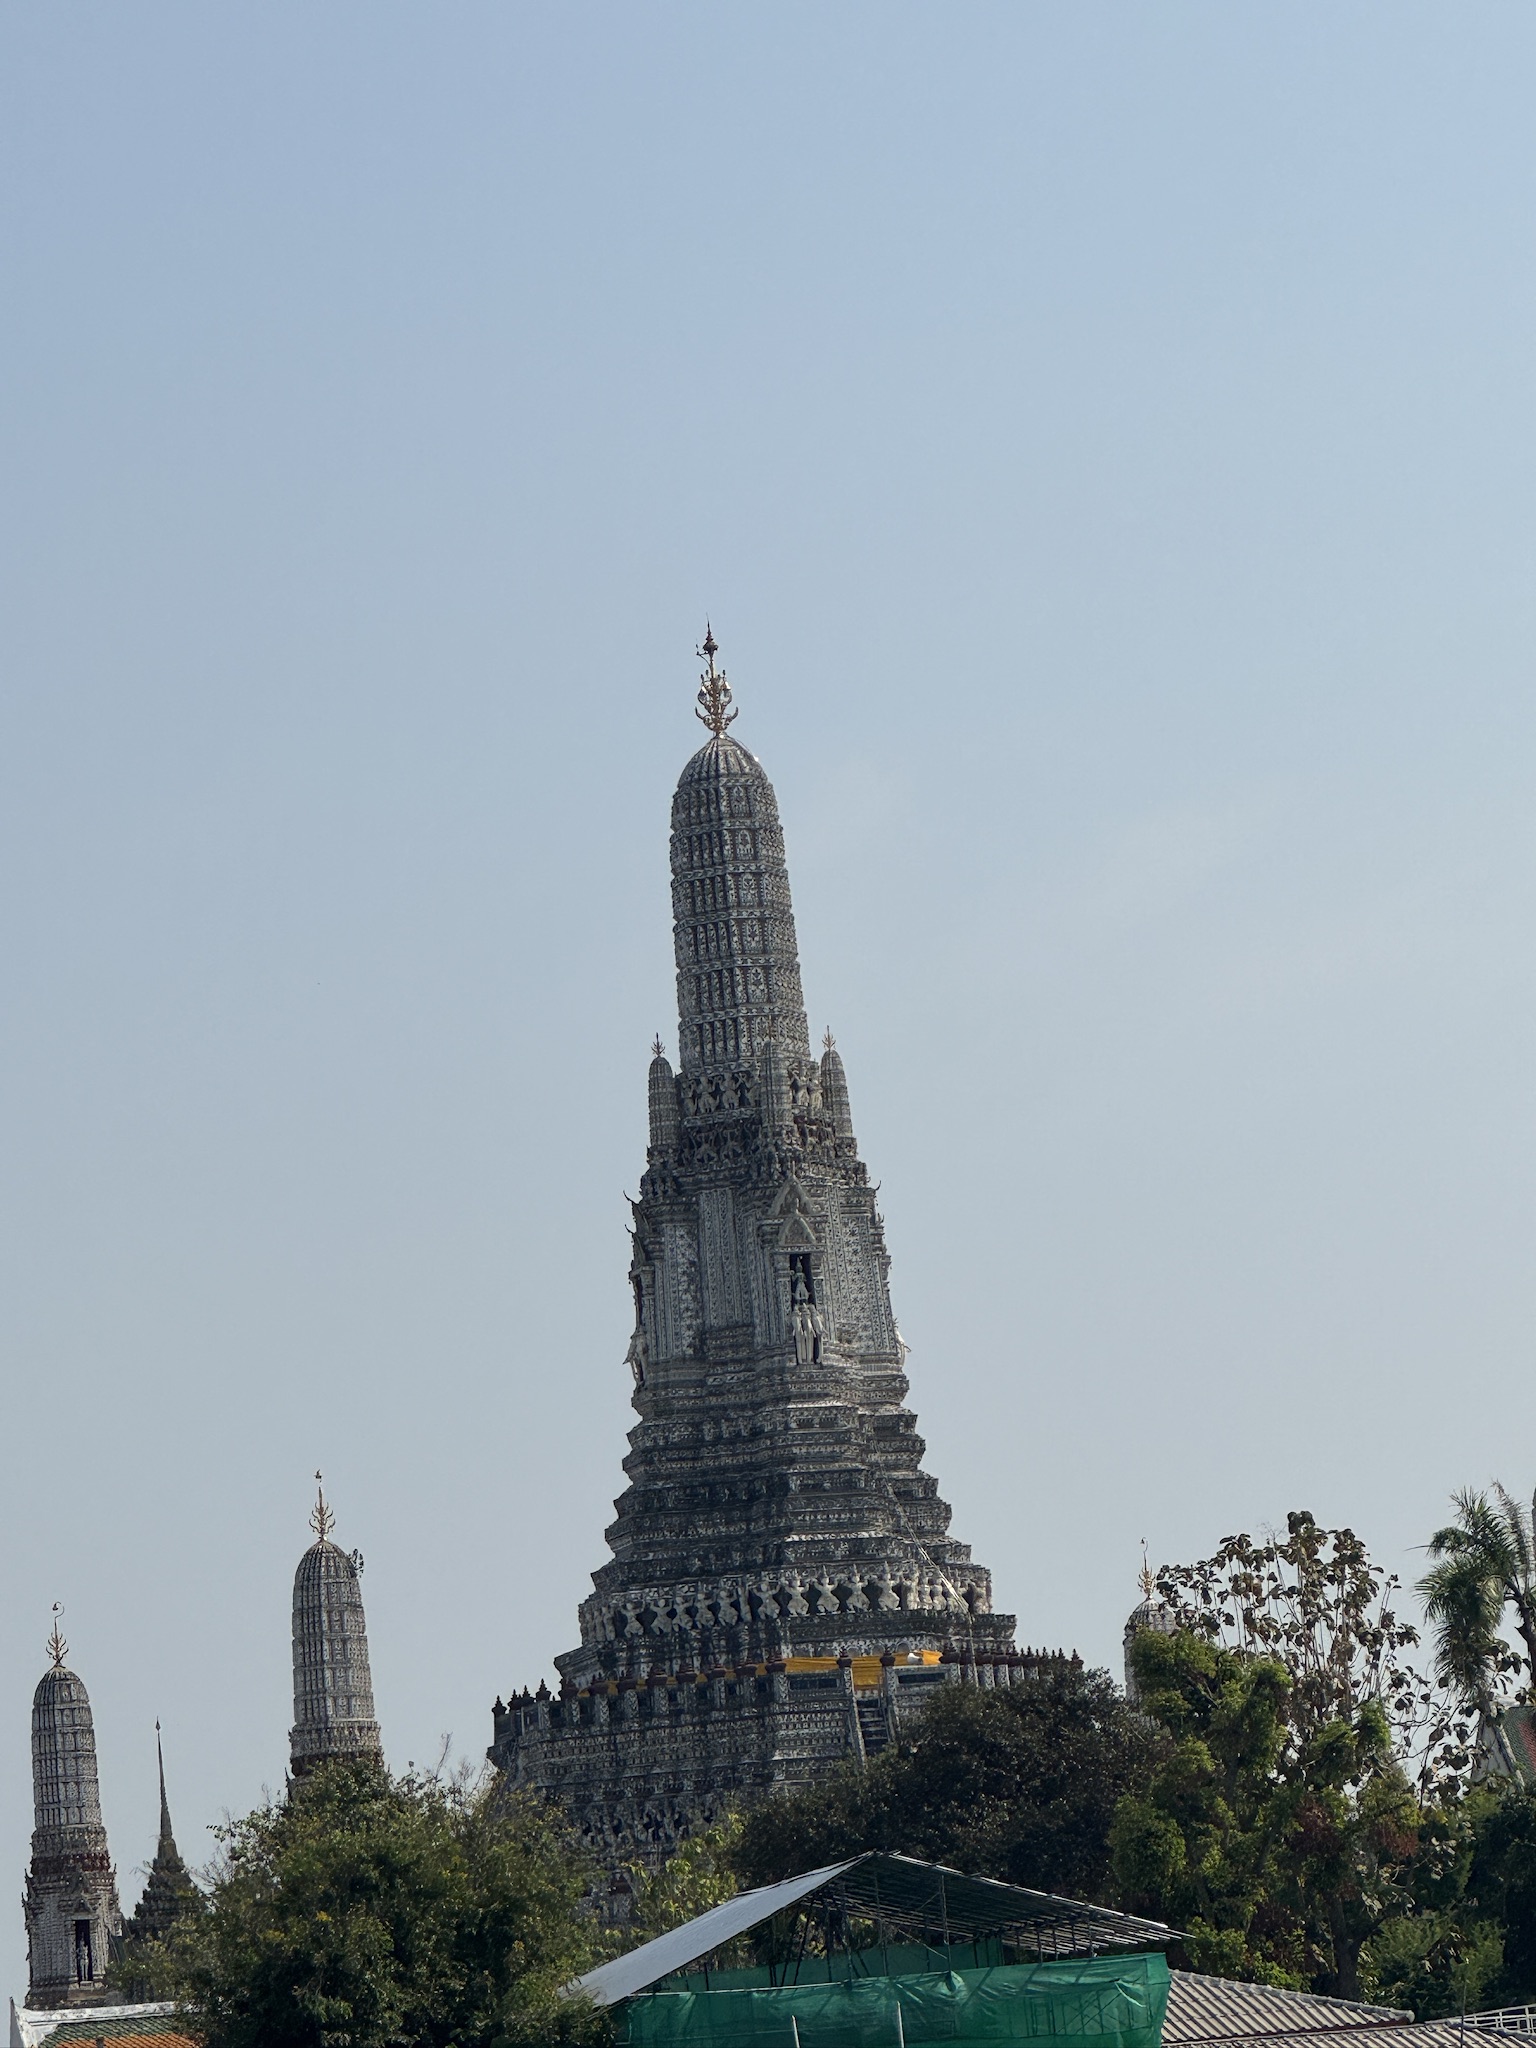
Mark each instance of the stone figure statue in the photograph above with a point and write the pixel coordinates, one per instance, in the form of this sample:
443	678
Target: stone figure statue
635	1357
808	1325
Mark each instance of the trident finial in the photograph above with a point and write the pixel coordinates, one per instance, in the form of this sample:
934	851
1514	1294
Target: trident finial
658	1050
828	1042
56	1646
322	1521
715	694
1147	1578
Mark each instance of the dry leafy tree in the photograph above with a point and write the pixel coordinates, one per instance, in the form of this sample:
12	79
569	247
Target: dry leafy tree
1282	1832
1315	1602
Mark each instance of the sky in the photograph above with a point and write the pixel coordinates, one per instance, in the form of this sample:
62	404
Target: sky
1102	438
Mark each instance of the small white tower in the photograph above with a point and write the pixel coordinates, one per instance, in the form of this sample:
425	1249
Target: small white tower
332	1685
71	1898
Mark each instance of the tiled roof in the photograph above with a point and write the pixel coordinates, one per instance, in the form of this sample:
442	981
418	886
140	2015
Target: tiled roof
121	2033
123	2026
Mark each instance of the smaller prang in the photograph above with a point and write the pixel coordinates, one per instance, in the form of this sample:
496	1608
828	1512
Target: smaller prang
332	1687
73	1918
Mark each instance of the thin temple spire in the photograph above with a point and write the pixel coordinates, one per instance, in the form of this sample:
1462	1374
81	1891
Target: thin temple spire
321	1520
715	692
165	1804
56	1646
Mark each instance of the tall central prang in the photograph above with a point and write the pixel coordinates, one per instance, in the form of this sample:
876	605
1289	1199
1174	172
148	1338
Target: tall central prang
782	1583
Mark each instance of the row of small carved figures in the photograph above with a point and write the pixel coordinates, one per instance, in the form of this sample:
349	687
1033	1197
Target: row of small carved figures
755	1161
730	1094
1002	1668
795	1598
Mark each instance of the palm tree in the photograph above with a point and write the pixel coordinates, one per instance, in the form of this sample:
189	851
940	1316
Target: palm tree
1487	1562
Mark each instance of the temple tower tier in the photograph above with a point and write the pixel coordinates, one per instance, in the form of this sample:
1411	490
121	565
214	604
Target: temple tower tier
332	1685
71	1906
781	1573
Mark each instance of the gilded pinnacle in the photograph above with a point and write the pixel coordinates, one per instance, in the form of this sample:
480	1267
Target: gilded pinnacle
714	707
322	1521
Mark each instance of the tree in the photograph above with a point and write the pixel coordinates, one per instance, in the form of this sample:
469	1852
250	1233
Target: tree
1501	1882
699	1874
1281	1832
1019	1783
368	1911
1486	1562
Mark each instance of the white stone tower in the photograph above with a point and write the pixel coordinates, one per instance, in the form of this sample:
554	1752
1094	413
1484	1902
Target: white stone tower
332	1685
71	1897
781	1581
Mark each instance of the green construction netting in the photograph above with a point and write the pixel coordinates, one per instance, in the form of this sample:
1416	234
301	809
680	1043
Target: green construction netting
1101	2001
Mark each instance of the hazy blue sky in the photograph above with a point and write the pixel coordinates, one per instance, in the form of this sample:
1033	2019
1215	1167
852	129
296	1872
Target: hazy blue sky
1103	438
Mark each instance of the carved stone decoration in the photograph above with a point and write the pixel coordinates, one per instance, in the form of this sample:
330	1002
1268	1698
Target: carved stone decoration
70	1904
776	1512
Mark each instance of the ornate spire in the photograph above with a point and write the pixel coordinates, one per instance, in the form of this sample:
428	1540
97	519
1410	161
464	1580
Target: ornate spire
71	1901
169	1892
332	1684
738	969
165	1804
1146	1578
321	1520
715	694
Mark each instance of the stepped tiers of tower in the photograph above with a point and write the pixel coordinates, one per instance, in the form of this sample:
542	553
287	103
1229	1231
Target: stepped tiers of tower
782	1575
71	1908
332	1683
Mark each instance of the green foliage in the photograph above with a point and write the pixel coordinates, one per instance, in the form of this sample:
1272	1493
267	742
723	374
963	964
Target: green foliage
1501	1882
1436	1964
1020	1784
697	1876
368	1911
1282	1830
1485	1563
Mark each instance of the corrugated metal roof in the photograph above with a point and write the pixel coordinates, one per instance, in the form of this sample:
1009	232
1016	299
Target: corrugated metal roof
1204	2008
926	1900
1215	2012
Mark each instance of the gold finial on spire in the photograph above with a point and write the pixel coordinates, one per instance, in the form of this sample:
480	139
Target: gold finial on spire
1147	1578
322	1521
56	1646
715	694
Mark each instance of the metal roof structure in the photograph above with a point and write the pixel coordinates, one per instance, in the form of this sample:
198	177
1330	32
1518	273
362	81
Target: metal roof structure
1216	2012
908	1901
